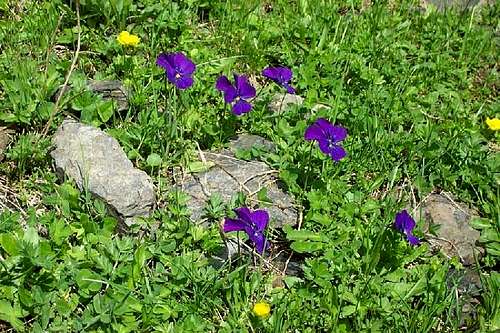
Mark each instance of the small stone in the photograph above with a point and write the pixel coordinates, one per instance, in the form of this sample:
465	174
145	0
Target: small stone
249	141
281	102
442	5
97	163
5	138
111	90
229	176
455	237
108	89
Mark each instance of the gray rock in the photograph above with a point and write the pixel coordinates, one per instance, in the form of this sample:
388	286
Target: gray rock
467	284
108	89
249	141
97	163
111	90
281	102
5	138
458	4
229	175
454	236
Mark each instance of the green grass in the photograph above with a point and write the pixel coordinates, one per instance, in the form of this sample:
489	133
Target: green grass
413	88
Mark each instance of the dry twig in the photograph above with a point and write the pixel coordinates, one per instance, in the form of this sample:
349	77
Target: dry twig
68	75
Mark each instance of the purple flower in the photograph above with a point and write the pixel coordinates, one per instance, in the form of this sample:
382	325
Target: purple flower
237	93
253	223
280	75
405	224
328	137
179	69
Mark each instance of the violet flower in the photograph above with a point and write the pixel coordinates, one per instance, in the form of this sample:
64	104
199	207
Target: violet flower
253	223
178	68
405	224
280	75
328	137
236	94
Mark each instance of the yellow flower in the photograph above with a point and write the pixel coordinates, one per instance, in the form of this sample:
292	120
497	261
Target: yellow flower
493	124
261	309
127	39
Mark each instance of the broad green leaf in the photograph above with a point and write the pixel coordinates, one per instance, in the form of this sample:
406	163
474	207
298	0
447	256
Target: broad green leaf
31	236
9	244
154	160
301	235
480	223
106	110
306	246
347	311
10	315
199	166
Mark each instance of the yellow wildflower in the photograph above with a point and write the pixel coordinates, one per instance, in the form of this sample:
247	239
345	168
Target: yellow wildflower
261	309
493	124
127	39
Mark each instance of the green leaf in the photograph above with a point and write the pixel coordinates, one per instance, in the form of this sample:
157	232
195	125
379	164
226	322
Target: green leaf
302	235
106	110
59	231
373	256
88	280
199	166
10	315
347	311
154	160
306	246
480	223
31	236
9	244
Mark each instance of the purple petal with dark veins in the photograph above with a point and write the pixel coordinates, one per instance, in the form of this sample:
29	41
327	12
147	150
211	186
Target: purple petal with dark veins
241	106
259	240
244	88
412	239
289	89
260	218
184	82
183	64
337	153
162	61
337	133
233	225
223	83
313	132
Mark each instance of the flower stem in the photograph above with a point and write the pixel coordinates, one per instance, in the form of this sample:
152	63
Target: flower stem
308	169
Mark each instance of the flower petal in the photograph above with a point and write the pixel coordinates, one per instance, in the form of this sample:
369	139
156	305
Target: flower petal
412	239
325	125
337	153
259	240
285	74
184	82
404	222
338	133
314	132
289	88
163	61
244	88
244	214
241	106
260	218
171	75
233	225
281	75
223	83
271	73
324	146
183	64
230	95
